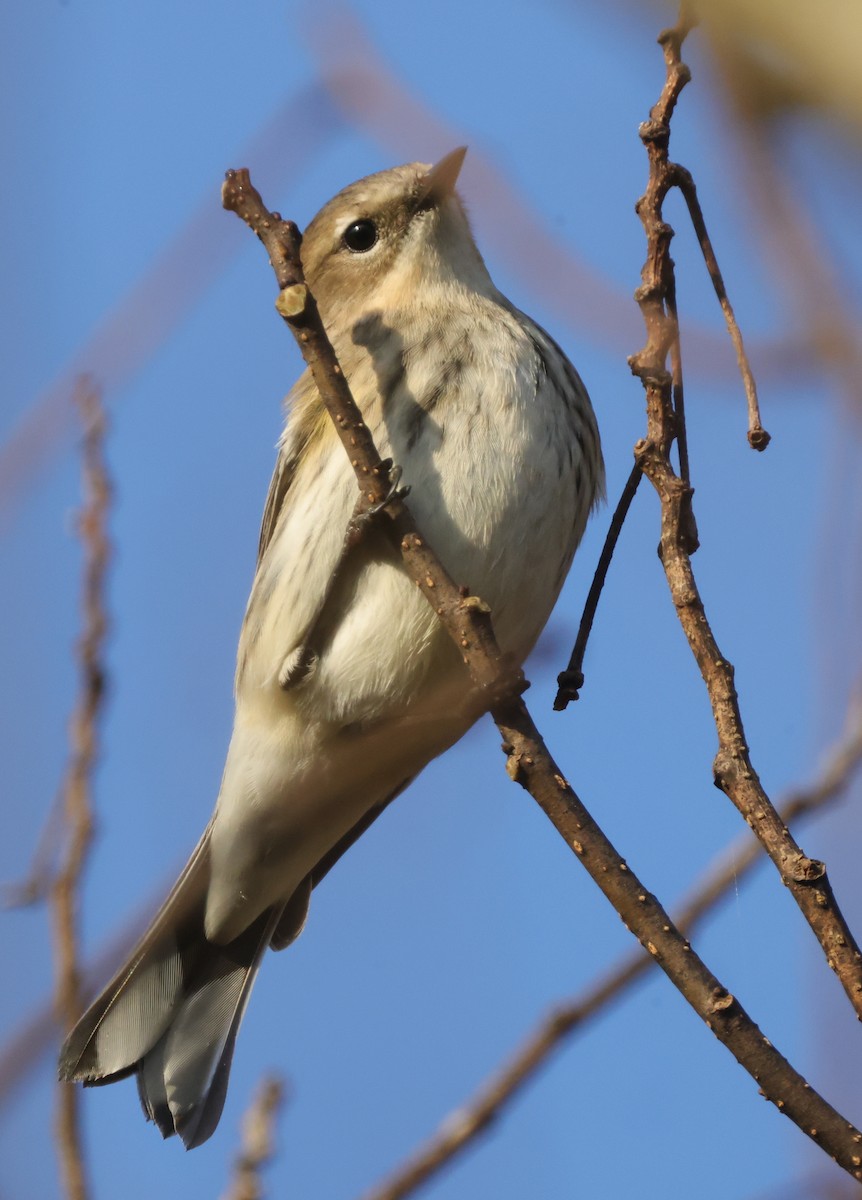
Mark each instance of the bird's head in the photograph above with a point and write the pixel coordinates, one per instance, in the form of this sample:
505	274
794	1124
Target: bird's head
390	240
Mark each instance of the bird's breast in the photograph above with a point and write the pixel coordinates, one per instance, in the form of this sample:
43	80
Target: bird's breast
479	411
487	425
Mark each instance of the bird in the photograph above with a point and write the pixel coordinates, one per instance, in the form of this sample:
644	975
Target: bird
346	683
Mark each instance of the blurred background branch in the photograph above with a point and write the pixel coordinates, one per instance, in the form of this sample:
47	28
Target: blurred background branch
258	1141
77	785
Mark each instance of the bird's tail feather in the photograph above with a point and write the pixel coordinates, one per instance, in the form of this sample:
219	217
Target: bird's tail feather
172	1013
133	1011
182	1080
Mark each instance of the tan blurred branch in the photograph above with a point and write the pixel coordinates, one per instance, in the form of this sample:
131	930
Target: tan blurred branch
129	334
36	885
795	53
84	736
257	1148
811	282
466	1124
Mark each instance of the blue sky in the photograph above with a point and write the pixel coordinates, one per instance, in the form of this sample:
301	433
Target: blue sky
452	927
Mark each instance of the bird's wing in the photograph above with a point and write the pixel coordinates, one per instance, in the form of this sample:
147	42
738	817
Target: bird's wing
282	477
301	547
289	452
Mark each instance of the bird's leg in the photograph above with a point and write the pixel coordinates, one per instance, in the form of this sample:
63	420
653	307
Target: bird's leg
364	513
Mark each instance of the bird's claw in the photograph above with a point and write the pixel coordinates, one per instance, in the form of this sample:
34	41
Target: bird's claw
395	492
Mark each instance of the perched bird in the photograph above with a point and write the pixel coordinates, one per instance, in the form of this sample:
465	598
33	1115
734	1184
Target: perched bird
345	691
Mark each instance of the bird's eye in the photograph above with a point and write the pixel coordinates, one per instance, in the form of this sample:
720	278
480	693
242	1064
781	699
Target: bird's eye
360	236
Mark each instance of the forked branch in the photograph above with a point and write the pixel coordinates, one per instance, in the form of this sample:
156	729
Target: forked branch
733	770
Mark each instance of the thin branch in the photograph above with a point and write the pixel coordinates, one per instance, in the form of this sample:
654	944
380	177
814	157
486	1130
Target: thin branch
532	766
733	770
758	438
84	738
570	681
466	619
258	1137
476	1117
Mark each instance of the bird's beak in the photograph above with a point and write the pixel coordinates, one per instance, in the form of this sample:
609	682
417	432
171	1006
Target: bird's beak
440	180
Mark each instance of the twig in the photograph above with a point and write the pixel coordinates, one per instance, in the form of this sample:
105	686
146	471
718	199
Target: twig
476	1117
570	681
467	621
757	436
257	1148
76	786
733	771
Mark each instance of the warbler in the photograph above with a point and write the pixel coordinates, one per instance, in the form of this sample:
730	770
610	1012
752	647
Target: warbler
347	684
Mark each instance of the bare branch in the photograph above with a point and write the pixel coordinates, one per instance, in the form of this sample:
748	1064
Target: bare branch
76	787
733	770
478	1115
466	620
757	436
258	1133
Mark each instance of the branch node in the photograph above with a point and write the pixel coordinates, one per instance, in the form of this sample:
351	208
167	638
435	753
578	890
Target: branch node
569	684
811	870
514	765
654	132
290	301
758	438
722	1001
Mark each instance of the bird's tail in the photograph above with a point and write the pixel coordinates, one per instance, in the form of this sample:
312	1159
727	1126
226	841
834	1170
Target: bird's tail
172	1013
